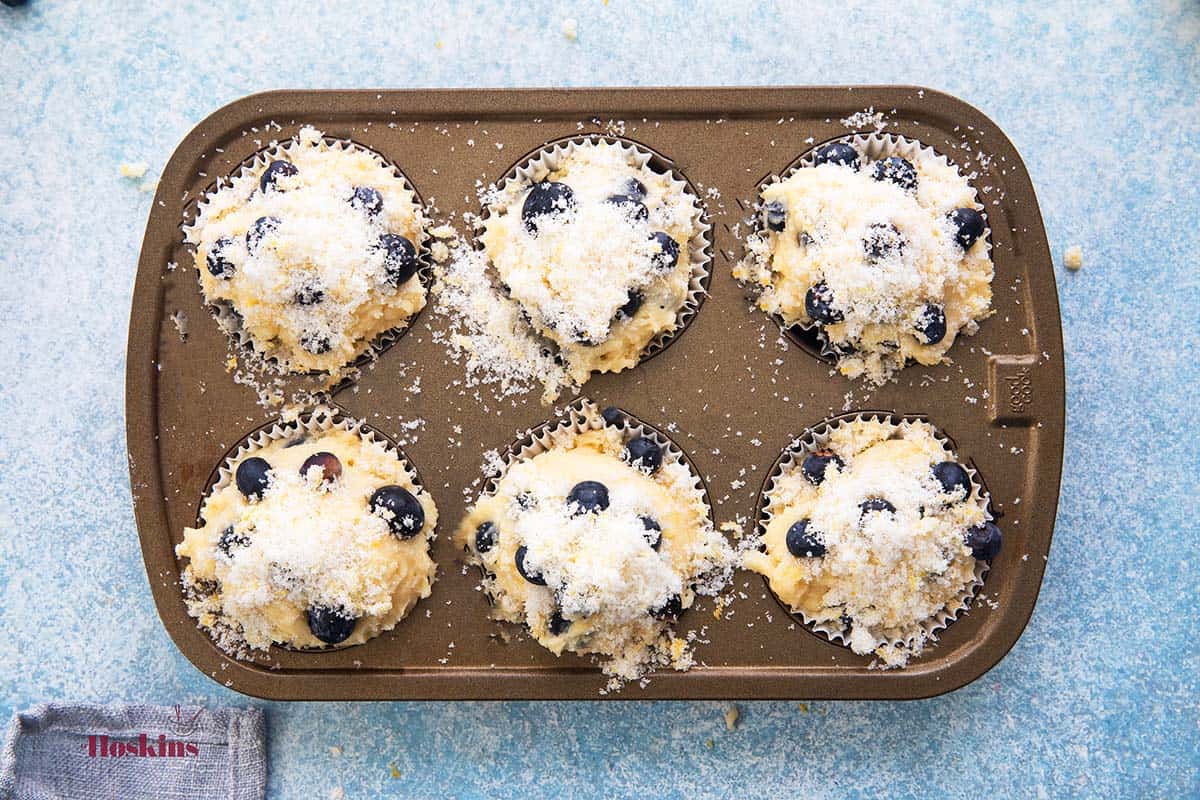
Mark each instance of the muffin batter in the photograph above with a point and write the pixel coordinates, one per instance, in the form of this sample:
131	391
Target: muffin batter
596	254
875	533
597	545
886	258
314	249
313	540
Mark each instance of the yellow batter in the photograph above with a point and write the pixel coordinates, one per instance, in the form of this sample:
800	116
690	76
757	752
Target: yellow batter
614	584
574	274
887	254
258	566
304	261
883	574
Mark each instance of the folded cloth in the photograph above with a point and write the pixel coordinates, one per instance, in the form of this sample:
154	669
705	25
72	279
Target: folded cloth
129	752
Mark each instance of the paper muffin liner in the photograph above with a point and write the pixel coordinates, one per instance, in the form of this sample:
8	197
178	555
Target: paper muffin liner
307	424
581	416
813	439
227	317
873	146
548	158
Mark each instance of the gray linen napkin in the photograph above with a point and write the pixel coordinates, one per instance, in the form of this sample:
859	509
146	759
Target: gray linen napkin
61	751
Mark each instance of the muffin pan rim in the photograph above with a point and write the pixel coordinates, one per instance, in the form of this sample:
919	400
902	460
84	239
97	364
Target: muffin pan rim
150	478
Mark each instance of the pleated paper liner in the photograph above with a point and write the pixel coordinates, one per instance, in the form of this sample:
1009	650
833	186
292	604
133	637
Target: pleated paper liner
808	336
269	374
582	416
815	438
546	159
304	425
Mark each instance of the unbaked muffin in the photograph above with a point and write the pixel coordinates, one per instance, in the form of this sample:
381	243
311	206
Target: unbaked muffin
597	537
878	244
875	535
311	252
316	534
603	255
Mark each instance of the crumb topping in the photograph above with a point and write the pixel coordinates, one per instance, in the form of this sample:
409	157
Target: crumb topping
593	248
309	255
610	580
308	540
885	550
871	255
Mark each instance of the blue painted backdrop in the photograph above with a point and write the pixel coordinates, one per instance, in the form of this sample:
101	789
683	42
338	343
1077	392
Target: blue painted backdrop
1098	698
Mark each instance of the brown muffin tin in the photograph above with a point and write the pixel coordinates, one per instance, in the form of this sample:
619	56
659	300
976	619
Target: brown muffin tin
726	390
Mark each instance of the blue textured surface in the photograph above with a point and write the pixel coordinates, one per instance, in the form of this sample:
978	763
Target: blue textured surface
1100	696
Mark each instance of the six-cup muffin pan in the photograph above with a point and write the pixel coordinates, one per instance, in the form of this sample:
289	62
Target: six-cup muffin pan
730	390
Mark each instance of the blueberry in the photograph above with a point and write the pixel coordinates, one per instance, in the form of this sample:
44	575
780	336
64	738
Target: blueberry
261	227
932	325
815	465
644	453
669	610
558	624
968	226
882	242
613	416
653	532
580	337
836	153
631	207
330	625
399	258
818	302
274	171
533	577
219	266
588	497
984	541
315	343
253	477
547	197
485	537
367	199
803	543
407	516
632	305
309	295
331	467
668	253
898	171
635	189
876	504
774	215
952	477
526	501
230	539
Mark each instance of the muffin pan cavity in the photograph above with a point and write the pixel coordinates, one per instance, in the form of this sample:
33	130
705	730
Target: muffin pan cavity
264	371
700	246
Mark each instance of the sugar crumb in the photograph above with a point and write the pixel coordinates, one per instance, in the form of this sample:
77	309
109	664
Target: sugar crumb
1073	257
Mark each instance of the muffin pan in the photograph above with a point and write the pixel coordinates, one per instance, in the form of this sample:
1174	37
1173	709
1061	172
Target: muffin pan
730	391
